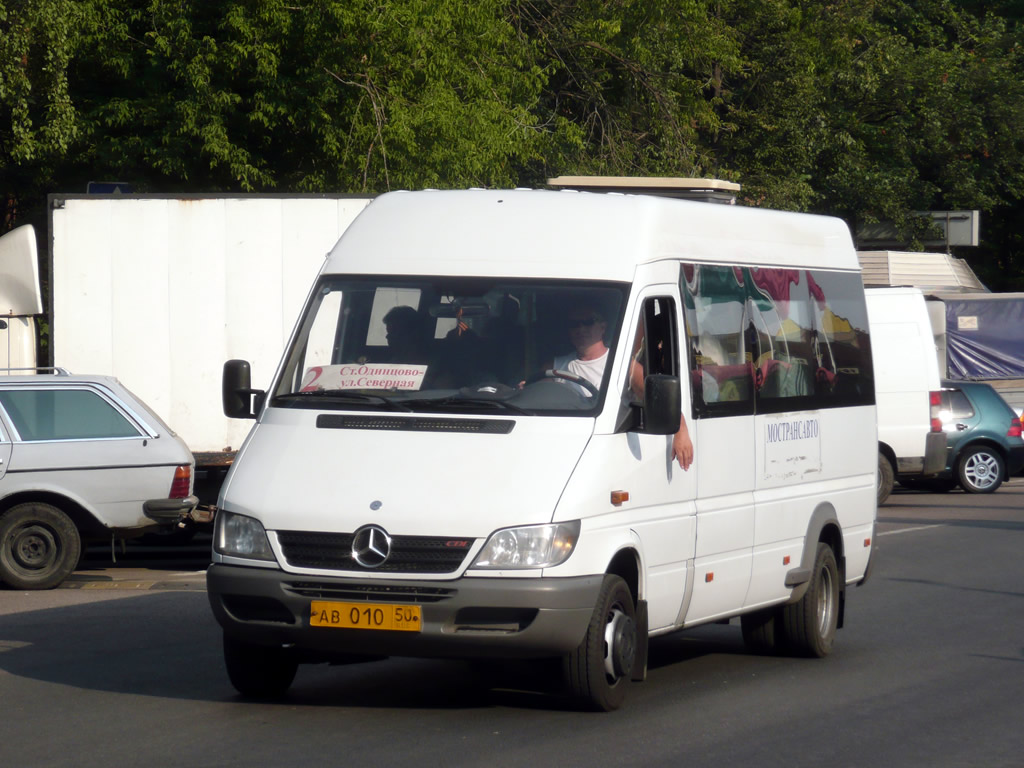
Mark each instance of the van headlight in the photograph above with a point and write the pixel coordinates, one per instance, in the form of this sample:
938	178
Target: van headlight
241	536
533	546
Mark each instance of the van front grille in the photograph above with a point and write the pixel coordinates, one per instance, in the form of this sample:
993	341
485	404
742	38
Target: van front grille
409	554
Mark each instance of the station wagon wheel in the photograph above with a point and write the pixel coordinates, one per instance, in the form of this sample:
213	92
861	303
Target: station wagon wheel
981	469
810	625
259	671
598	672
39	546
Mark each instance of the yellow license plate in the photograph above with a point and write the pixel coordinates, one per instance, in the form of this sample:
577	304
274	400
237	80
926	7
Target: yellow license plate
328	613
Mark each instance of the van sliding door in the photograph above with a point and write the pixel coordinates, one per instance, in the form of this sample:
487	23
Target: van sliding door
719	334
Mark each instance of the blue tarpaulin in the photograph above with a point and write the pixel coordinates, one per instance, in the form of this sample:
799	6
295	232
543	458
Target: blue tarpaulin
985	336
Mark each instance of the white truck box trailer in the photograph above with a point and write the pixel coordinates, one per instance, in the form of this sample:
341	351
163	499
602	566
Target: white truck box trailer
21	301
159	290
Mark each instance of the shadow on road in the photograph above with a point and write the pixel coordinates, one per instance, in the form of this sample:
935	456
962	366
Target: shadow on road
167	645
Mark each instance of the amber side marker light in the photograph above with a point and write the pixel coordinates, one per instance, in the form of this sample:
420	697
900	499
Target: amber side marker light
619	498
867	542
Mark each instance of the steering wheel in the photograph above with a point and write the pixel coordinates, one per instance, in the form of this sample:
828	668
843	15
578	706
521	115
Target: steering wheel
565	376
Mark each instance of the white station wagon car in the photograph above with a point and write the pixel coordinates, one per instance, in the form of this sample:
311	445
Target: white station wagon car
80	458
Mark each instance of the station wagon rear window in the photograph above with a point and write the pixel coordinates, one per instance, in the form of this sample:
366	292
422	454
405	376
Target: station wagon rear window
64	414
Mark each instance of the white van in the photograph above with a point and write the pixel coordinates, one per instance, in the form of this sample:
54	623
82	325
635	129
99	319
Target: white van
911	441
432	473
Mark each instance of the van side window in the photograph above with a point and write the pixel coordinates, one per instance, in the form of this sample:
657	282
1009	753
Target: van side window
789	339
655	345
721	338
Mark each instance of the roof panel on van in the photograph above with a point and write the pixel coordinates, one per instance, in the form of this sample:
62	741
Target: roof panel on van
581	235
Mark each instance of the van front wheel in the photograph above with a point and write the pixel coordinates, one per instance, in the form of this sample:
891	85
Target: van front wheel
598	672
810	625
259	671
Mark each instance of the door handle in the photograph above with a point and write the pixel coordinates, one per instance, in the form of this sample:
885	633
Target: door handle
961	427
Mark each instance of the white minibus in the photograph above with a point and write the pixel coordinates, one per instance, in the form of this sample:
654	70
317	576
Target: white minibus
469	447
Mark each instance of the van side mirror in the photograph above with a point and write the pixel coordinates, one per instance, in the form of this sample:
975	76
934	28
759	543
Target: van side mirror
662	404
236	390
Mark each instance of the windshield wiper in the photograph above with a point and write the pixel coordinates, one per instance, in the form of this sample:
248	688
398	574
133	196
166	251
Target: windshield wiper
341	396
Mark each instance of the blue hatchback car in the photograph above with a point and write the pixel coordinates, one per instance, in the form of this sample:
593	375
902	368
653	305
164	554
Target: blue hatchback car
984	443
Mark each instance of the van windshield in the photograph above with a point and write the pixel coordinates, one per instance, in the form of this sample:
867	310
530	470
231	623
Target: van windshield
454	345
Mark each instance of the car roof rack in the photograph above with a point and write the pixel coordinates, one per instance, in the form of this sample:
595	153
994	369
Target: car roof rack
703	190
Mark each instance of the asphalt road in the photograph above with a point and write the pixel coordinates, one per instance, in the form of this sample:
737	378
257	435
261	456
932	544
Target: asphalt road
123	667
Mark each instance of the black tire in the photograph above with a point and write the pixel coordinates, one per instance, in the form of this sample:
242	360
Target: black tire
762	631
259	671
981	469
39	546
886	478
809	626
598	672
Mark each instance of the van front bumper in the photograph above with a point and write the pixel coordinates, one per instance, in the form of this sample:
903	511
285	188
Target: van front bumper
462	618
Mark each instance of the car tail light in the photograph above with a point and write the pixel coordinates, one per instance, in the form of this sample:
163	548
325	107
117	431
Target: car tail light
1015	429
935	400
182	482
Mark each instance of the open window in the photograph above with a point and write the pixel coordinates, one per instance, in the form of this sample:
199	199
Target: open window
654	351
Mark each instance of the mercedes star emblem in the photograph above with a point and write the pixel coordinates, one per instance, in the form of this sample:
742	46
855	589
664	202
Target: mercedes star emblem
371	546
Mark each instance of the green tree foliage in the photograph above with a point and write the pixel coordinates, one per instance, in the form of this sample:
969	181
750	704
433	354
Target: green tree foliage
38	121
869	109
634	79
355	96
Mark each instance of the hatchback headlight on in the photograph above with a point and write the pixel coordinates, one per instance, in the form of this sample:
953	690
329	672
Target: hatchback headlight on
533	546
241	536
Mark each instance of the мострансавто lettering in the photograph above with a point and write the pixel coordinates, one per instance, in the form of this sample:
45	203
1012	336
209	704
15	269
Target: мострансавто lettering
799	429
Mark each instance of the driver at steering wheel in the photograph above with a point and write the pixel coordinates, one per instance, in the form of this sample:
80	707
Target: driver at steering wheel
586	327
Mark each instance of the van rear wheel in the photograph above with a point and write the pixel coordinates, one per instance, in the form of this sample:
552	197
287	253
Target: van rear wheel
810	625
259	671
598	672
39	546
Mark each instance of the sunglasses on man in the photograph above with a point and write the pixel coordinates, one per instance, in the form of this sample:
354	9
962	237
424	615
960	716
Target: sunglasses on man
584	322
